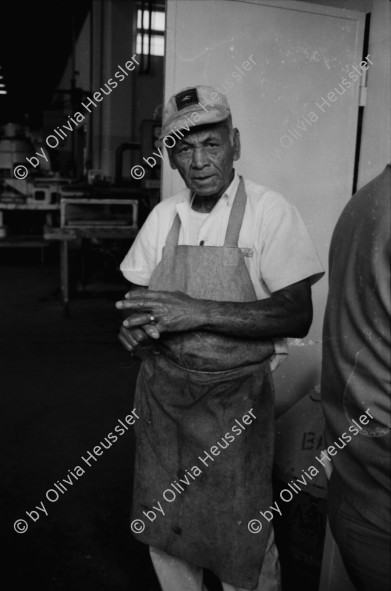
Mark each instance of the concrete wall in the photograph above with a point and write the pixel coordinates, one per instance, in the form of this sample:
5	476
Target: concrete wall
376	136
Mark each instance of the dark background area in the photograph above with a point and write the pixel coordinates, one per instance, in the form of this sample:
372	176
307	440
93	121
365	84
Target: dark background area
66	380
35	42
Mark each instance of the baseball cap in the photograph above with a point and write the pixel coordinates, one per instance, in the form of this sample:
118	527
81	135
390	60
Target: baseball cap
210	105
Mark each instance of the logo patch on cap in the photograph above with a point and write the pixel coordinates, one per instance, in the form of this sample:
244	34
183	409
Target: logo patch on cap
185	98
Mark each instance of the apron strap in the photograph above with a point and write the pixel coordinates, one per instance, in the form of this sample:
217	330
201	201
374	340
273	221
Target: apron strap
234	222
173	235
236	216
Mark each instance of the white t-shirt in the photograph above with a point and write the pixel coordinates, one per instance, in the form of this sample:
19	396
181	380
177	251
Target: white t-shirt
274	239
197	219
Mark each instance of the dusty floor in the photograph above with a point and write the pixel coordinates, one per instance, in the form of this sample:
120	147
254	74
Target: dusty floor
65	383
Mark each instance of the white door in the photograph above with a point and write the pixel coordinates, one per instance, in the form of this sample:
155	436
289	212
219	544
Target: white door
298	132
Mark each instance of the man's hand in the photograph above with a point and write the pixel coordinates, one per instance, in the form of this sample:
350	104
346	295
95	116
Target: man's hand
286	313
136	338
159	311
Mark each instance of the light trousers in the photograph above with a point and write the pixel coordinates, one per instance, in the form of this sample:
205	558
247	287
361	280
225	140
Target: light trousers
175	574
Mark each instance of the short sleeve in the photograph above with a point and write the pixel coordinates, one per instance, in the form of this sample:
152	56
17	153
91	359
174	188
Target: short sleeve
288	253
141	260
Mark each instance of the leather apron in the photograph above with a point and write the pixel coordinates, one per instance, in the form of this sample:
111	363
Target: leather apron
190	398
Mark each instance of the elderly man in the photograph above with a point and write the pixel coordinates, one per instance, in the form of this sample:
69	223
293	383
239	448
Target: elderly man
228	265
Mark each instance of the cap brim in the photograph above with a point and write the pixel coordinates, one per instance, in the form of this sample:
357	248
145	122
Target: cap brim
184	122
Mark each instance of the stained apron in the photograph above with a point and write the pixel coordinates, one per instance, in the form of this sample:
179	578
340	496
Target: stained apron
190	398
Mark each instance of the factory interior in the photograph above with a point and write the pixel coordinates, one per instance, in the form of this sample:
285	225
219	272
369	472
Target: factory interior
71	203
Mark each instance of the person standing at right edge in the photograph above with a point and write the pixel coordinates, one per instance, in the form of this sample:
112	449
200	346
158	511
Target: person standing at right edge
356	379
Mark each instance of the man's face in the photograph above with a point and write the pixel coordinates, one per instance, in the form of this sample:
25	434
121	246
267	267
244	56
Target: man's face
204	159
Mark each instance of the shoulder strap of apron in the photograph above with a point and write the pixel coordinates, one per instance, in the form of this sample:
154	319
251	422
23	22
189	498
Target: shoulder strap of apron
234	222
236	216
173	235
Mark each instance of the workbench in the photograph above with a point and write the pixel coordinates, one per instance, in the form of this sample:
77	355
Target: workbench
87	226
27	240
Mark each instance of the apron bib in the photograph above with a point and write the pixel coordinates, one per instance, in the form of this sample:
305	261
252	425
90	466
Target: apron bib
201	472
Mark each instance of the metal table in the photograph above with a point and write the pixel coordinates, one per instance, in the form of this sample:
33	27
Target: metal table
90	229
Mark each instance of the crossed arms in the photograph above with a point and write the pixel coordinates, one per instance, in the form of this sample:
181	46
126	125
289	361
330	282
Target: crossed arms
286	313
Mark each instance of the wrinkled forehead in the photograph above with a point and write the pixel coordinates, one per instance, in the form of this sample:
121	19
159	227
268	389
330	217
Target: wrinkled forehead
203	133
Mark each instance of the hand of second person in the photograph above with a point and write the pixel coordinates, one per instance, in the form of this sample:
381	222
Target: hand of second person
168	311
